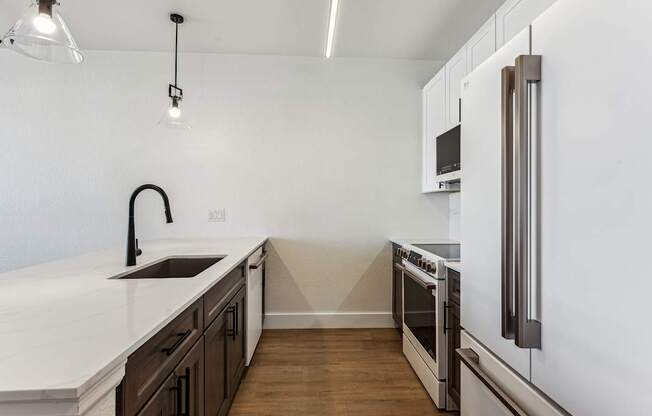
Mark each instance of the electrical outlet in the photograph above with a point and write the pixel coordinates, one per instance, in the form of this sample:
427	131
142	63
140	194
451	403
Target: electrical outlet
217	215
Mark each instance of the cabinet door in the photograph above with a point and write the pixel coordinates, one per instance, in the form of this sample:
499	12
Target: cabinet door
190	382
236	346
434	124
397	296
215	367
515	15
456	70
164	401
482	45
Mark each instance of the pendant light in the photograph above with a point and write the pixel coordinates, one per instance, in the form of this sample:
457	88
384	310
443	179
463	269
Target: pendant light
173	116
42	34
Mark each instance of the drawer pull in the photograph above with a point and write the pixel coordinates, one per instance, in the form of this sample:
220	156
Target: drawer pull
181	337
446	328
232	332
180	395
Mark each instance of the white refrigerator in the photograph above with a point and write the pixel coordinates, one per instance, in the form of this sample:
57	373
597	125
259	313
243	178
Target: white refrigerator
556	216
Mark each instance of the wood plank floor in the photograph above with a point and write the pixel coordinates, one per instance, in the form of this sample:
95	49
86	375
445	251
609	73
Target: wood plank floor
331	372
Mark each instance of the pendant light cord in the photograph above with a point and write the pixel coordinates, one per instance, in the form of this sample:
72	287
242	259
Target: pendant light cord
176	53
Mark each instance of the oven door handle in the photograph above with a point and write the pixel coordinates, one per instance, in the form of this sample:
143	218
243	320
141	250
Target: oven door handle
425	284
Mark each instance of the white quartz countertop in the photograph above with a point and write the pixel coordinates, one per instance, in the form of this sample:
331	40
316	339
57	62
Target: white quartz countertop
65	325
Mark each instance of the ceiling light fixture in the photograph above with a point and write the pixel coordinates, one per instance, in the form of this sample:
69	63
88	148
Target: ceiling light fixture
42	34
173	116
331	28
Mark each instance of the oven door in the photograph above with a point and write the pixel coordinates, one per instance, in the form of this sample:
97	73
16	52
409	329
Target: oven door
420	313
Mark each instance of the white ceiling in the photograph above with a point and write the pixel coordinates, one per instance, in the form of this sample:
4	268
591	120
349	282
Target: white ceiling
409	29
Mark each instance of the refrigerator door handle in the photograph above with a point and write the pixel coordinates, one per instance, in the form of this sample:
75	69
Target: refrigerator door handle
528	72
472	361
507	316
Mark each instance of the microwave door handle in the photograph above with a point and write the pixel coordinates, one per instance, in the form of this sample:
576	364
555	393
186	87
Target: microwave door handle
528	72
508	321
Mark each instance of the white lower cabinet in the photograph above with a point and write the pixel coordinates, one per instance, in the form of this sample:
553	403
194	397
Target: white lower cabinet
491	388
255	302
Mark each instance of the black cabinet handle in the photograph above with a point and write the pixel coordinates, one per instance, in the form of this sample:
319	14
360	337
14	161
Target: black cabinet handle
232	310
180	338
446	328
237	318
186	394
177	397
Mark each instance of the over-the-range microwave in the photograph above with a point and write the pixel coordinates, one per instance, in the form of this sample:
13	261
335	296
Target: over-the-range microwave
448	151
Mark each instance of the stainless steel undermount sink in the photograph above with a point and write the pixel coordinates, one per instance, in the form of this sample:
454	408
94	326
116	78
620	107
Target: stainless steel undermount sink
172	267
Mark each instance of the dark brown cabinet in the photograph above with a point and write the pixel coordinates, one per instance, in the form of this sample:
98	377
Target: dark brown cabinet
194	365
224	345
397	296
215	367
453	330
190	383
164	400
236	346
153	362
397	287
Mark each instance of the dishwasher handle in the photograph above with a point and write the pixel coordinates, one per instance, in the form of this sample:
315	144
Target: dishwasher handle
259	263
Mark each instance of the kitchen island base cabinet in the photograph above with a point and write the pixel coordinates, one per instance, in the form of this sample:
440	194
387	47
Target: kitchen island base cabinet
224	343
190	382
164	400
215	375
182	393
193	366
237	342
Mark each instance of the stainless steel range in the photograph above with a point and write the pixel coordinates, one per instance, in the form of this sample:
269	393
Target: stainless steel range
424	313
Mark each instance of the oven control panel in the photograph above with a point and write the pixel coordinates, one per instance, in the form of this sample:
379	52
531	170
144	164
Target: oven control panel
422	263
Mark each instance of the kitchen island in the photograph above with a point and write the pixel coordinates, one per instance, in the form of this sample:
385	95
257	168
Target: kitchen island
68	327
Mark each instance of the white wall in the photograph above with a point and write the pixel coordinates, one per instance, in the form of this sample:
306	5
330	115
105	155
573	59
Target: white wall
454	219
322	156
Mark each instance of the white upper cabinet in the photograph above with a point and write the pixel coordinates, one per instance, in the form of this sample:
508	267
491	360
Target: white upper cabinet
456	70
434	124
482	45
516	15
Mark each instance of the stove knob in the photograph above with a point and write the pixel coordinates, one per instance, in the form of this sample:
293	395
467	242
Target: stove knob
426	265
419	263
432	268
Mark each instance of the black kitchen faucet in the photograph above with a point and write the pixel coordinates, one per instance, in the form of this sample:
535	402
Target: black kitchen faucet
132	243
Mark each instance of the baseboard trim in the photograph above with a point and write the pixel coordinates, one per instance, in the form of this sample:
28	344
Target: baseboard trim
329	320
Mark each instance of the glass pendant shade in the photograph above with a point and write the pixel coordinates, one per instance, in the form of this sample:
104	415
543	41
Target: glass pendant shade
173	117
43	37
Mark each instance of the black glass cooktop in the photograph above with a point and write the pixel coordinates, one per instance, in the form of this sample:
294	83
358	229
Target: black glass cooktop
446	251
